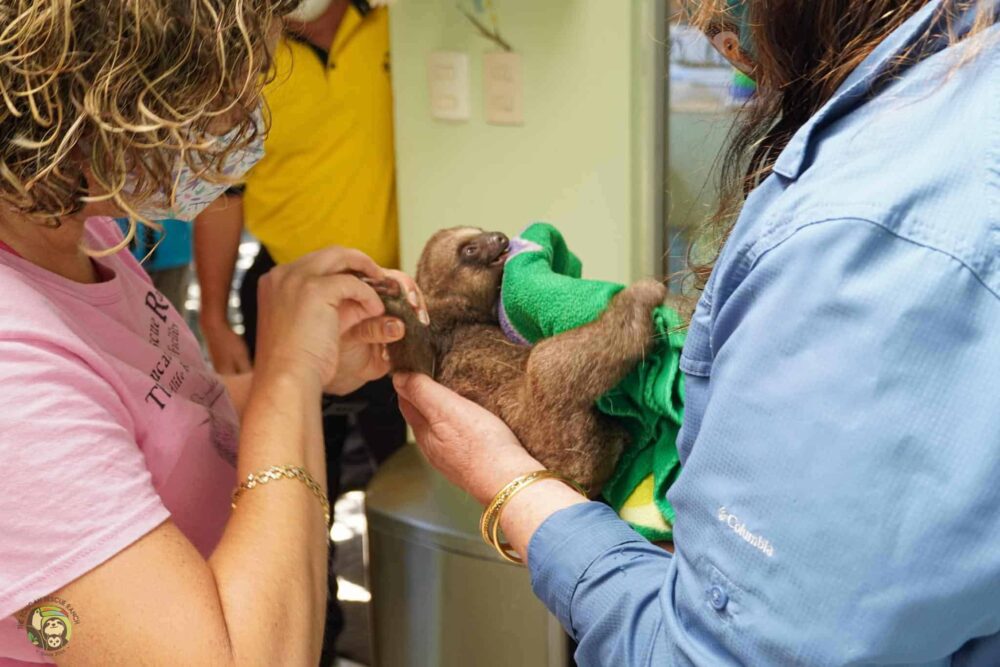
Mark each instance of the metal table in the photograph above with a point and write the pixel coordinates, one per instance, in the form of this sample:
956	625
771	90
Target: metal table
440	596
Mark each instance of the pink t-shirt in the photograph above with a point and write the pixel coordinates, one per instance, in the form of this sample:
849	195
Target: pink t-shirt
110	422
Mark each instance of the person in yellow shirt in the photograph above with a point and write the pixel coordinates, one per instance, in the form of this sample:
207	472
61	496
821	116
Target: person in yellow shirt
327	178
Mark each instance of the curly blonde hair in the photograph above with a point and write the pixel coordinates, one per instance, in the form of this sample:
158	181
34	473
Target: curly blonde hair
97	93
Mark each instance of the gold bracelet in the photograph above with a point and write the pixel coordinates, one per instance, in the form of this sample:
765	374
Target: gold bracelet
284	472
489	523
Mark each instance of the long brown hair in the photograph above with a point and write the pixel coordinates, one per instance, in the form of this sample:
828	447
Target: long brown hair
803	52
93	93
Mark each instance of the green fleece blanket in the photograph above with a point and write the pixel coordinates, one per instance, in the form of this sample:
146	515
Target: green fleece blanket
543	295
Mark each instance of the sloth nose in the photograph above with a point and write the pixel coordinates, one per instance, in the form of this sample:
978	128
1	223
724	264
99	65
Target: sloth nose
500	239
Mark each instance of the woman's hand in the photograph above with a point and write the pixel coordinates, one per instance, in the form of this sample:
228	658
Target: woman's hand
478	453
306	305
363	356
226	348
472	447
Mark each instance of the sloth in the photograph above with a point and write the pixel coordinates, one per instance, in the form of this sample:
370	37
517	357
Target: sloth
546	392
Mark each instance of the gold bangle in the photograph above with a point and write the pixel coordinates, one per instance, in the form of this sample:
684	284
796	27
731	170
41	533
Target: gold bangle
489	523
284	472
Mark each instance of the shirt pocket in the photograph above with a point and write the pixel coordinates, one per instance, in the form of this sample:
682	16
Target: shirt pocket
696	364
696	357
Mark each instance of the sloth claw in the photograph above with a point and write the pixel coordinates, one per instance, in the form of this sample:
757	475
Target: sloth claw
385	287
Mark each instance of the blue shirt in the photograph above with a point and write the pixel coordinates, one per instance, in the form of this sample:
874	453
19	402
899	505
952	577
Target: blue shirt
171	247
840	500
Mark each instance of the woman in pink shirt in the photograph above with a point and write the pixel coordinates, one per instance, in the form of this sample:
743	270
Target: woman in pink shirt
120	448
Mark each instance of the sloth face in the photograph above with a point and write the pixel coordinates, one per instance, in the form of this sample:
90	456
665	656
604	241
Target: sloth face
54	632
485	249
52	626
464	262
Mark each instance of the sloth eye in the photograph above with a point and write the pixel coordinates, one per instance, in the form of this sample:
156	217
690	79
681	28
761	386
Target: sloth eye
469	250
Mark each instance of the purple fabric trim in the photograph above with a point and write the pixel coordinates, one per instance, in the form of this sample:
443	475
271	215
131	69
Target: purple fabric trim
508	329
517	246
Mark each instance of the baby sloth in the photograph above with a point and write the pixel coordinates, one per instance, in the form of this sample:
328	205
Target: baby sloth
545	393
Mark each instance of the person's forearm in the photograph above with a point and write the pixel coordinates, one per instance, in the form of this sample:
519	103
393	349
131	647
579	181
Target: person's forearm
529	509
238	386
216	246
271	562
584	556
558	568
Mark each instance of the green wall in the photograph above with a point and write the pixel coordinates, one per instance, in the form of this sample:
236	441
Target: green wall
589	155
571	161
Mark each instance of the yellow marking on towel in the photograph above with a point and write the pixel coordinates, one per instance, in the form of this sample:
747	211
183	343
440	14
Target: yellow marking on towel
641	510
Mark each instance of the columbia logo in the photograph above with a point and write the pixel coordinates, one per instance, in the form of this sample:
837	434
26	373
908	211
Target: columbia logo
740	528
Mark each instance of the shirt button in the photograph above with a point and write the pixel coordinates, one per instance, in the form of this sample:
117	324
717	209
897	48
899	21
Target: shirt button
718	598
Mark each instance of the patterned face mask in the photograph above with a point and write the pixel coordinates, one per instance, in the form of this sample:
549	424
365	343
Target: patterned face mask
730	35
192	194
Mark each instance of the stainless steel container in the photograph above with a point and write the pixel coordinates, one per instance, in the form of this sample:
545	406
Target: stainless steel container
440	596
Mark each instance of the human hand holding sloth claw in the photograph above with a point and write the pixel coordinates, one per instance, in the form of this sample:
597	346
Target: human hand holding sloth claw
321	320
362	355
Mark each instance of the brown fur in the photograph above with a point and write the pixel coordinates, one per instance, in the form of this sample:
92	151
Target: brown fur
544	393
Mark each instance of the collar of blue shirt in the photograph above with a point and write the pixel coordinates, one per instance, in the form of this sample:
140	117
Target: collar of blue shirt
855	89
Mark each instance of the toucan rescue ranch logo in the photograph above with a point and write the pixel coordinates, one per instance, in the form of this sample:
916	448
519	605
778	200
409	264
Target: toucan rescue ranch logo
49	624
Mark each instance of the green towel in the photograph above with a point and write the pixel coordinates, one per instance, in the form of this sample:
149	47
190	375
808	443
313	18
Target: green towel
543	295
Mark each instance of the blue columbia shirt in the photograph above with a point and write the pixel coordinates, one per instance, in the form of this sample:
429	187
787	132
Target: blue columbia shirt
840	498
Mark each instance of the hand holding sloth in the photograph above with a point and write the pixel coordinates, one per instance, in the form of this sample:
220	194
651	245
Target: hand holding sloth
544	393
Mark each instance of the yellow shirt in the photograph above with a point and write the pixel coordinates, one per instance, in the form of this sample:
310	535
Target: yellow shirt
328	173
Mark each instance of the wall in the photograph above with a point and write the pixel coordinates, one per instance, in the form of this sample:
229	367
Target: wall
582	158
